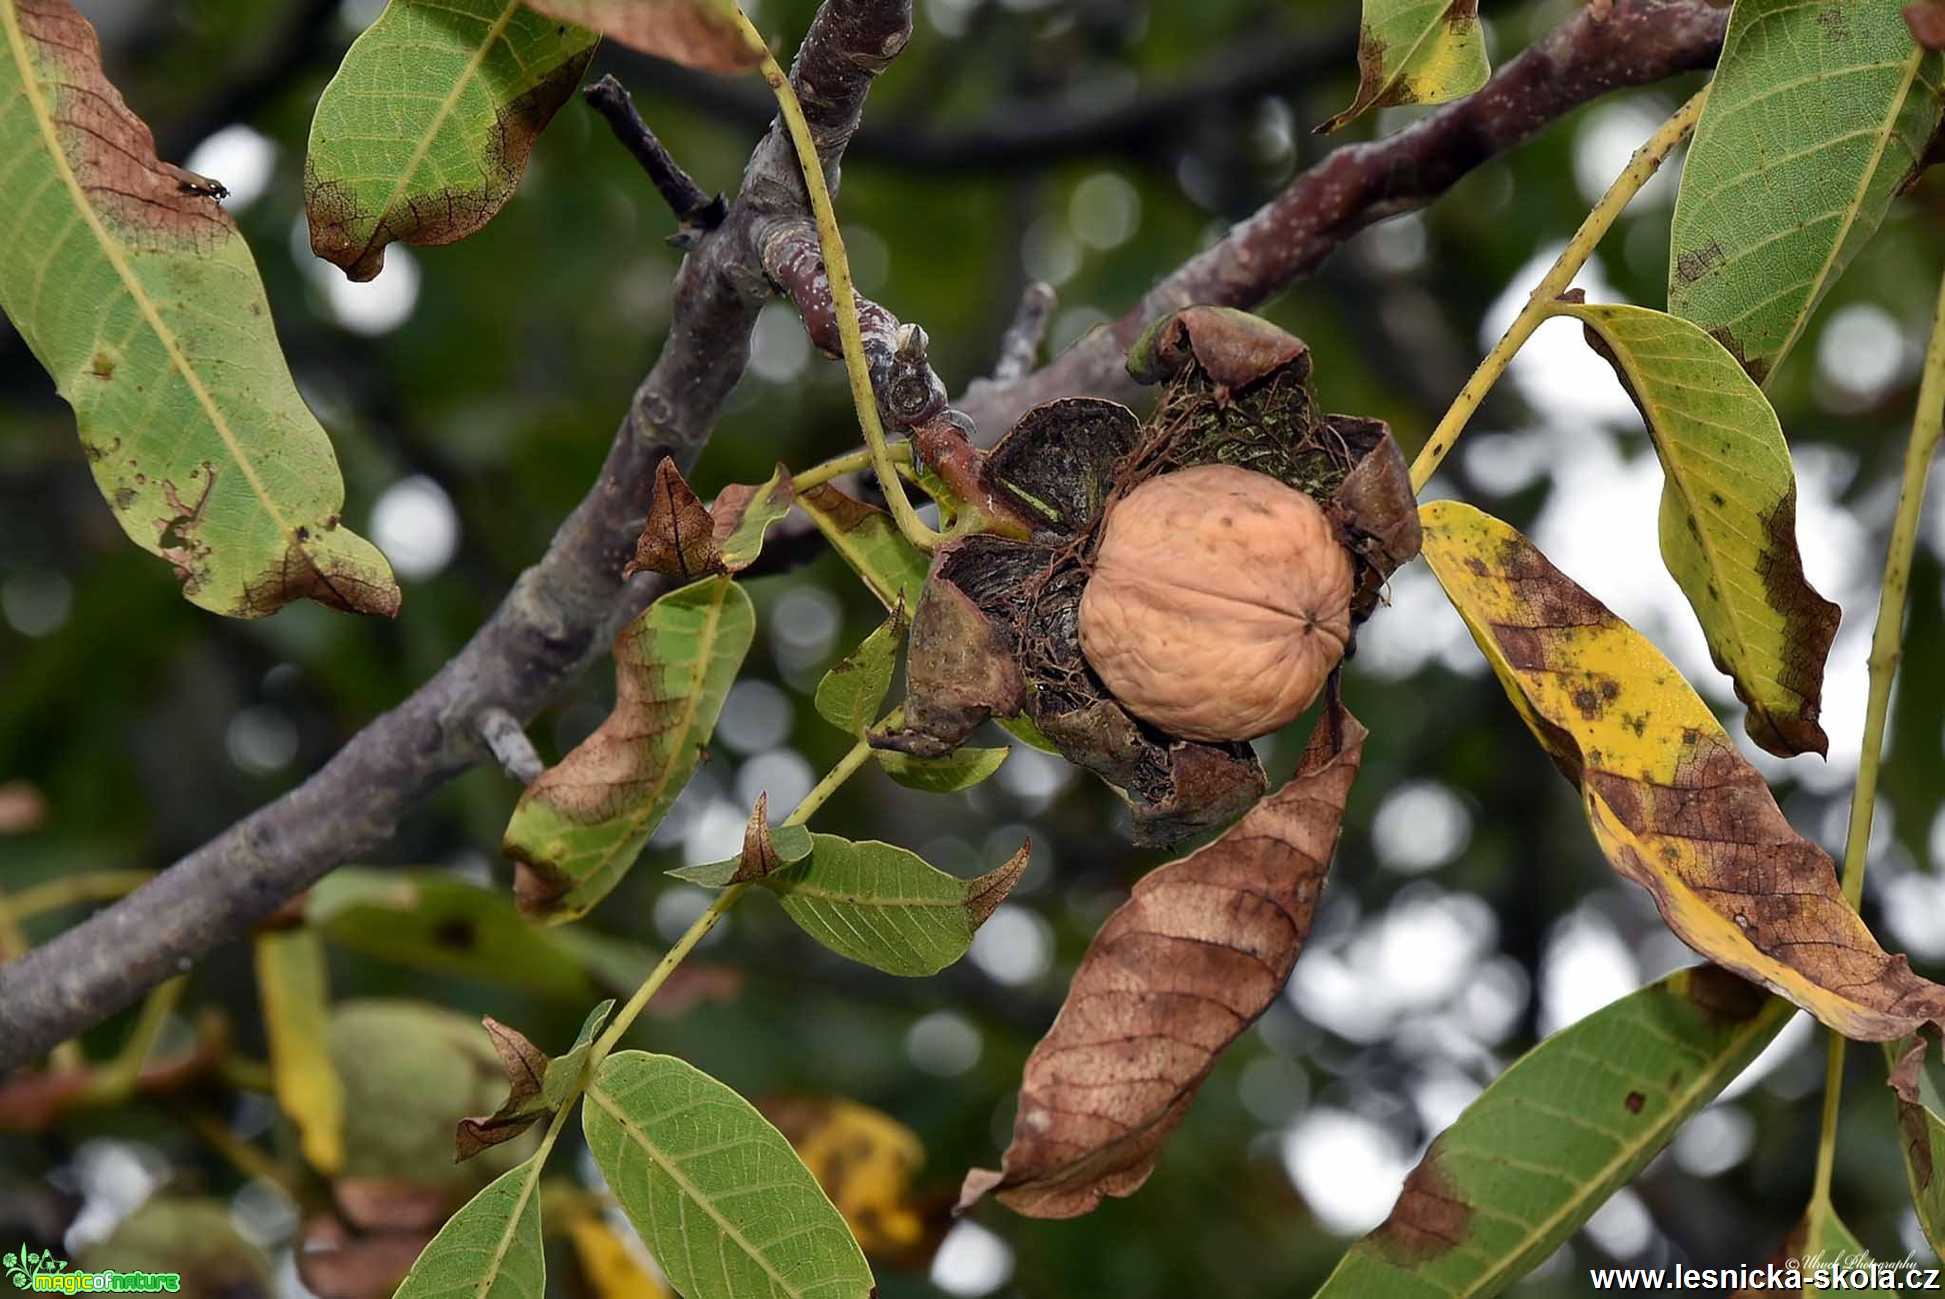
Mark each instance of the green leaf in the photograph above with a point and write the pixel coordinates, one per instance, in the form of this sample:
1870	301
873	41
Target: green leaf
870	543
700	33
564	1070
1728	516
578	828
960	769
434	921
1818	114
718	1195
748	512
424	133
1922	1132
1820	1240
886	907
137	293
1022	729
295	990
490	1249
851	693
1567	1125
1416	52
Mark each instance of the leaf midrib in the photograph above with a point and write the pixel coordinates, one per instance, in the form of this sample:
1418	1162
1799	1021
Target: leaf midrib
1628	1150
112	250
1888	129
691	700
423	147
505	1246
674	1173
1711	552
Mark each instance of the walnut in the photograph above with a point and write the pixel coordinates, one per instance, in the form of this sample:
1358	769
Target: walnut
1219	603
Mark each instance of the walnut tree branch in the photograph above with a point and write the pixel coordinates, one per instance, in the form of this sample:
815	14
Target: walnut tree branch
561	611
559	615
1637	42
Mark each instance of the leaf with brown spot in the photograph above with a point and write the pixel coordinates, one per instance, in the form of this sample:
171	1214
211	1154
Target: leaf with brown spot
1177	973
578	828
192	425
743	514
678	538
1818	114
1728	516
866	538
424	133
697	33
1571	1122
1921	1132
1673	805
1416	52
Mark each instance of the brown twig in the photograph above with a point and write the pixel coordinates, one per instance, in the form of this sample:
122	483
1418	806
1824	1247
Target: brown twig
696	213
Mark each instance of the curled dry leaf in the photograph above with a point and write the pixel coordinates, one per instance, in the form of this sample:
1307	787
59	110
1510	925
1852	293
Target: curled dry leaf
678	539
1673	805
526	1069
765	851
996	632
701	34
1175	975
536	1085
184	402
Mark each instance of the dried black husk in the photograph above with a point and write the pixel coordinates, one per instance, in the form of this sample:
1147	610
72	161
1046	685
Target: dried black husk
997	632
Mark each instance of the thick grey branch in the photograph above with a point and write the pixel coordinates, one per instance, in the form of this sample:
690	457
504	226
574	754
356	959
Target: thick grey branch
559	614
561	611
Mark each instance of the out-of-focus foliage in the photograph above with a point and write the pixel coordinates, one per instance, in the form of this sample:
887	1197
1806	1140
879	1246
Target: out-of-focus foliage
471	392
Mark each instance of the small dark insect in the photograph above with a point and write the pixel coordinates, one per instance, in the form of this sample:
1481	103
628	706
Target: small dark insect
203	186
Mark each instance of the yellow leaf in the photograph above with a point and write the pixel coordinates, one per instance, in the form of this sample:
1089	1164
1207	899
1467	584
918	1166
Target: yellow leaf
1673	805
864	1159
609	1267
294	988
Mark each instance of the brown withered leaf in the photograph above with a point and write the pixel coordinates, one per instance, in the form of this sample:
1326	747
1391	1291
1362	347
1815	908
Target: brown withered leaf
679	538
1177	973
1673	805
339	1262
1375	506
696	33
1235	348
526	1070
1926	18
961	668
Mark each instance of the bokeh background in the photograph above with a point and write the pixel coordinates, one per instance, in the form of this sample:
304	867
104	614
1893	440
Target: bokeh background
472	391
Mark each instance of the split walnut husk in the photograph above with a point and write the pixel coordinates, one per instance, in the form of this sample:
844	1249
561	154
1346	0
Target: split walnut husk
996	633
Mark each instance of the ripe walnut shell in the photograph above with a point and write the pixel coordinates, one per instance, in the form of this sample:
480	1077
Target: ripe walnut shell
1219	603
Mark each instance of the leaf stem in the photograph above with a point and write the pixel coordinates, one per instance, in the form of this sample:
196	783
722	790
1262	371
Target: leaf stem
1646	161
1887	647
115	1080
846	767
849	463
844	300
